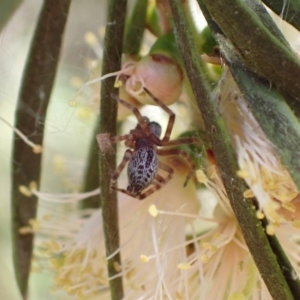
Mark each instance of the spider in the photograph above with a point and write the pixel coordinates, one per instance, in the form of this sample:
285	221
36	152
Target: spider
142	155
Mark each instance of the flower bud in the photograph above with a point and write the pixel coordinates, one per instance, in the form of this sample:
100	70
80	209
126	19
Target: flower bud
158	73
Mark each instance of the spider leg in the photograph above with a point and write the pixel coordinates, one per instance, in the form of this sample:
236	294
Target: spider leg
105	140
124	192
135	111
183	141
168	111
127	156
167	152
168	169
157	184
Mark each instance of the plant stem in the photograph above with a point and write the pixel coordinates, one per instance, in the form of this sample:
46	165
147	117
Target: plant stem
252	230
37	82
108	115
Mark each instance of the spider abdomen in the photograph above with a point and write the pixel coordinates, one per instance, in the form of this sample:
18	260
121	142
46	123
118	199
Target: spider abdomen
141	170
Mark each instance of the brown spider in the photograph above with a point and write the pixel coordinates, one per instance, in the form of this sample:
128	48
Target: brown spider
143	164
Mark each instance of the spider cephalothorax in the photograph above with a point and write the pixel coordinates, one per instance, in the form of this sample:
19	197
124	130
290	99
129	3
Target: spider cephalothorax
142	157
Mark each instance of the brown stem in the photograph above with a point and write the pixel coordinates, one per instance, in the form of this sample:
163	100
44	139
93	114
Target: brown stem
108	115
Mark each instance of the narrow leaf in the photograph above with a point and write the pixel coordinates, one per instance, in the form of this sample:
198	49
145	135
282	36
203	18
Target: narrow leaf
37	82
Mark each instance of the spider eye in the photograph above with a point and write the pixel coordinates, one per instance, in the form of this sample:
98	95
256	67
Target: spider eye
155	128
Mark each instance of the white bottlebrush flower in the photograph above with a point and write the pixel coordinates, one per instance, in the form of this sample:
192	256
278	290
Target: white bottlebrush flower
226	268
152	245
267	178
158	260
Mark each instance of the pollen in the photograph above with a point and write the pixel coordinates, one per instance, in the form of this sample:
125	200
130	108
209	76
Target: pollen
209	247
90	38
37	149
118	84
25	230
153	211
84	112
35	224
260	215
144	258
184	266
204	258
270	230
25	191
242	174
201	176
33	186
117	266
248	194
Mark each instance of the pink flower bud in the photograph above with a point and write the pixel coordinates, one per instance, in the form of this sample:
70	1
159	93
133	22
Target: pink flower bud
158	73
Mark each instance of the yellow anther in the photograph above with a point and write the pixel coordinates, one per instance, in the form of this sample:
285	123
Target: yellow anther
118	84
25	230
270	230
248	194
204	259
260	215
37	149
35	224
242	174
201	176
25	191
117	266
90	38
153	211
33	186
184	266
144	258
